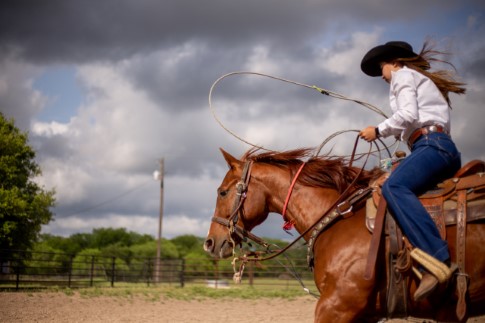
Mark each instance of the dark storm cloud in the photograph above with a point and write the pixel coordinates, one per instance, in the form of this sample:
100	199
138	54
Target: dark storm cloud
182	84
84	30
474	64
79	31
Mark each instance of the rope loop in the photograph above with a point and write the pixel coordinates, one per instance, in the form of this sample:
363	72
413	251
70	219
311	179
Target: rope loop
312	87
323	91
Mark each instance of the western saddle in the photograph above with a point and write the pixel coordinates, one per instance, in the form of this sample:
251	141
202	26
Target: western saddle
455	201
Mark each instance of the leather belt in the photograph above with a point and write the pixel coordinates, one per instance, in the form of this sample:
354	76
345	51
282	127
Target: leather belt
424	131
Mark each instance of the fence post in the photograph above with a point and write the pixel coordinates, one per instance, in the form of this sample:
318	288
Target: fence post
217	275
69	274
17	278
182	273
251	273
113	272
148	270
92	272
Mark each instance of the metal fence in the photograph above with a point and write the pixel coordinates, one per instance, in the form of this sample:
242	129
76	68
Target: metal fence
24	270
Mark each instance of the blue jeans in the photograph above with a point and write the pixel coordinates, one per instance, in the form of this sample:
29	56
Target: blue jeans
433	158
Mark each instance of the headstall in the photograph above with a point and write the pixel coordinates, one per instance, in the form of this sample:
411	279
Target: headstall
237	209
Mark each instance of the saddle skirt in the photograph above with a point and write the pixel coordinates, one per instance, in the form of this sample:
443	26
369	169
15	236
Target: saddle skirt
442	201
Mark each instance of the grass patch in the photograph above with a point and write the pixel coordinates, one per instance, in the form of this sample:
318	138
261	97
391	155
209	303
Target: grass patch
68	291
194	290
202	292
188	293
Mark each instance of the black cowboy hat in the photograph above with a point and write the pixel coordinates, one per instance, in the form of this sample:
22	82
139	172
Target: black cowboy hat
370	64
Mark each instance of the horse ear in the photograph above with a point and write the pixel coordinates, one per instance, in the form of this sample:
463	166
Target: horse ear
232	161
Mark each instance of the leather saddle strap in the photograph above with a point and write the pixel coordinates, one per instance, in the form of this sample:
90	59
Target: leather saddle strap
376	239
397	305
461	282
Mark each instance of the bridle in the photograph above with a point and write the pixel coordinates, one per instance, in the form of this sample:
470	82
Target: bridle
237	209
241	190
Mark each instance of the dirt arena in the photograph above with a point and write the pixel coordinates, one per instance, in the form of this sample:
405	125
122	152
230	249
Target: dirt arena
59	307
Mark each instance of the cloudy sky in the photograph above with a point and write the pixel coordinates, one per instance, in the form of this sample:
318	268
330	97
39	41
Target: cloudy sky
108	88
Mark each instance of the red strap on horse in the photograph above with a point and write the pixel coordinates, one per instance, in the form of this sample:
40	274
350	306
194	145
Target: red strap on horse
289	224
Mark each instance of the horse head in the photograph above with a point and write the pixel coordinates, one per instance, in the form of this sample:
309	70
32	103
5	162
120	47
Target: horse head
239	207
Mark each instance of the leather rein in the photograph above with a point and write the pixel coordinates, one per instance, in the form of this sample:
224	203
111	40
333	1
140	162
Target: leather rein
341	207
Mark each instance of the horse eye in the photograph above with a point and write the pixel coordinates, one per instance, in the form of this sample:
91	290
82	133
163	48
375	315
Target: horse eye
223	193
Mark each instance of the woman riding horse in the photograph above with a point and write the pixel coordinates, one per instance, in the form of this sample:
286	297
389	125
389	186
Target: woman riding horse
421	117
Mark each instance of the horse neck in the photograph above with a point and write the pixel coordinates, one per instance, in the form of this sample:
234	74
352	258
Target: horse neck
305	205
308	204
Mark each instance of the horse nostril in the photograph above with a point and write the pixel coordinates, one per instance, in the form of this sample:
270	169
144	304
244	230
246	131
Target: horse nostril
209	245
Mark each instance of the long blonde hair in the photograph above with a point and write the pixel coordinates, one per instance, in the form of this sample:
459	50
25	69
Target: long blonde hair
444	79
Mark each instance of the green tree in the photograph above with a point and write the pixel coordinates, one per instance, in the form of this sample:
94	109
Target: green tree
104	237
168	250
199	263
77	242
71	245
92	262
24	205
46	260
187	243
145	250
117	250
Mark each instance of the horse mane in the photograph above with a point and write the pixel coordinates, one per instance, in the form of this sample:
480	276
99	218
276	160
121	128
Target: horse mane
319	171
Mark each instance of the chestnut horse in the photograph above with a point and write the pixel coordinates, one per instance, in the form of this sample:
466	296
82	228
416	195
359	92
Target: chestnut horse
341	250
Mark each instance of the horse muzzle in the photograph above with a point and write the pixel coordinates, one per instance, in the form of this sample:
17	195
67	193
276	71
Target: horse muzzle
219	248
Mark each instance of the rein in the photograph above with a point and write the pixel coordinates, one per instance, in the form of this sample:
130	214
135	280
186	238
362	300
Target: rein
241	232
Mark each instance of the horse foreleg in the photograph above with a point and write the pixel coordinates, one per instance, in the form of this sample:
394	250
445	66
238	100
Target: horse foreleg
331	307
344	294
340	261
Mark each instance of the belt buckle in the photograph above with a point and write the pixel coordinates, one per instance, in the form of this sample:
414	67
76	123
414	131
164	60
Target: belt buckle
432	128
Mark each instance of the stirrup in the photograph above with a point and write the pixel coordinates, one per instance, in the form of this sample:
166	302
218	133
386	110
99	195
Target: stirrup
439	269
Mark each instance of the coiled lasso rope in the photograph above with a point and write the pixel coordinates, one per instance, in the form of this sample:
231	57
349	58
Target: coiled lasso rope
312	87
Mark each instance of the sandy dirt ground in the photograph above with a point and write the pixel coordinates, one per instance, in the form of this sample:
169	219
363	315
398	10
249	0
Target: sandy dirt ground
59	307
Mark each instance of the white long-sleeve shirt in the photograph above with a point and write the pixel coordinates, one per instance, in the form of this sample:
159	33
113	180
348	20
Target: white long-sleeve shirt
415	102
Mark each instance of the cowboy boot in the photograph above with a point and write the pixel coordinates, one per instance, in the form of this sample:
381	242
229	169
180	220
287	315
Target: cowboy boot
428	284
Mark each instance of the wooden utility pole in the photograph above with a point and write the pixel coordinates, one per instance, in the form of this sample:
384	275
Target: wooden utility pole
158	266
